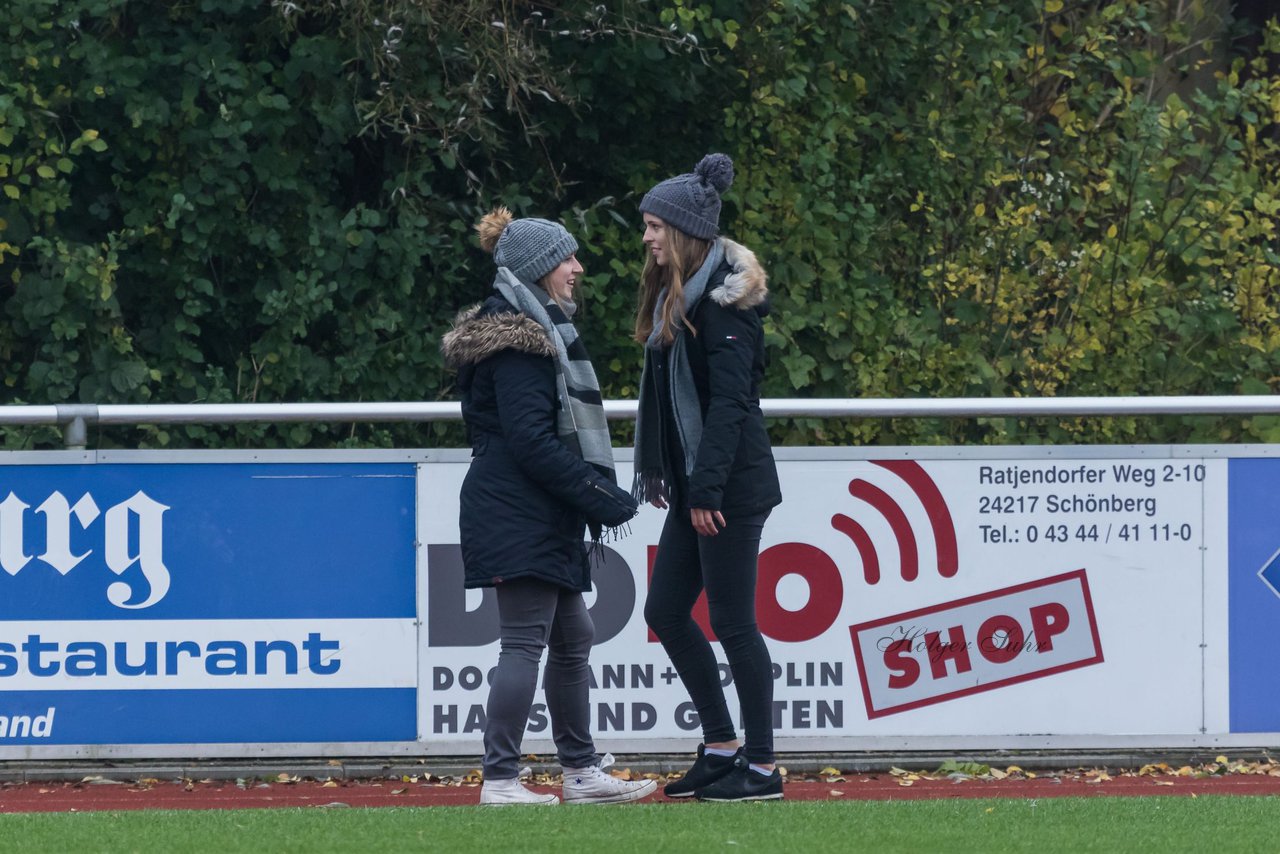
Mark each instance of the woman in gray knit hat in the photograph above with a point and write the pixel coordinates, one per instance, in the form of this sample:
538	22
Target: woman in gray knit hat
542	472
702	451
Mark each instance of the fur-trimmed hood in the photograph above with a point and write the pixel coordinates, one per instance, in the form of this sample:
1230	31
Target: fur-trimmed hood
476	336
748	285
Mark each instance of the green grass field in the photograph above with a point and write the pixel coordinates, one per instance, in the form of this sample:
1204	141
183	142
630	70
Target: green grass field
1211	823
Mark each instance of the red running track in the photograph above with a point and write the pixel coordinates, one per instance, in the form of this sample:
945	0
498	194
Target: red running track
87	796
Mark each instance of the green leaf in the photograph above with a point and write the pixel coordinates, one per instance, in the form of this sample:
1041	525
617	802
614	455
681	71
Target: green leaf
127	376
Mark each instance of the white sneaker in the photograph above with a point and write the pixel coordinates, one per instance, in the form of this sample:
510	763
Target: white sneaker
499	793
595	786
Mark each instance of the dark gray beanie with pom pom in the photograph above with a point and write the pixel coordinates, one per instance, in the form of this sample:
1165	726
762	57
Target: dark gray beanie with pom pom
691	202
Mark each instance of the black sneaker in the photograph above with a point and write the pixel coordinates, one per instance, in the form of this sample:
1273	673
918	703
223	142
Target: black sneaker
743	784
707	768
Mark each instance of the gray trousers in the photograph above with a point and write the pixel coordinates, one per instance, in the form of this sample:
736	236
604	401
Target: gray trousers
536	615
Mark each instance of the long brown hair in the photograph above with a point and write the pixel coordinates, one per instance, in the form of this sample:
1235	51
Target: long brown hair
686	255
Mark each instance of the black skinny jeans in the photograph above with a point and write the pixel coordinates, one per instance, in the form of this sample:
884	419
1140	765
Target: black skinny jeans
725	566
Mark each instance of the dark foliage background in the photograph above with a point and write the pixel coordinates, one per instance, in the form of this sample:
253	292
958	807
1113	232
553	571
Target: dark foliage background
234	200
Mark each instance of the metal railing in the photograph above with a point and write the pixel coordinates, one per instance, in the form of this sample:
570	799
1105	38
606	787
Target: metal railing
75	419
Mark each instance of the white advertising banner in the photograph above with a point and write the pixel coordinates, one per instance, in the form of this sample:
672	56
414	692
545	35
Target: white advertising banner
909	596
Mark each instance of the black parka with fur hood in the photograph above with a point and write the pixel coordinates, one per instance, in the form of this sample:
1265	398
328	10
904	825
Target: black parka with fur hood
527	497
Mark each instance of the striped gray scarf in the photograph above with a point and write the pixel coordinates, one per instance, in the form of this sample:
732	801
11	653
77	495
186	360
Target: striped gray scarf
580	421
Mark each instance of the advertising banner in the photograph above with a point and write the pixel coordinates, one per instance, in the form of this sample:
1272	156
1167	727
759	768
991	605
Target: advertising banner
207	604
168	604
909	597
1254	594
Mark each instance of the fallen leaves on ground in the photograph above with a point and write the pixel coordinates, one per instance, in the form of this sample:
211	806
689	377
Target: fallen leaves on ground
950	771
960	771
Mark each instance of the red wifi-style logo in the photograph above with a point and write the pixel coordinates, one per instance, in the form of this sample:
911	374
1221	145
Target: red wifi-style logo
944	530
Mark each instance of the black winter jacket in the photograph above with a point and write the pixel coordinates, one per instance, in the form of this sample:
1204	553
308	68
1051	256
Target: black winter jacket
526	498
734	470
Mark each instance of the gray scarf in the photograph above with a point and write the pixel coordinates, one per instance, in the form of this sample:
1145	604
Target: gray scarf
687	410
580	421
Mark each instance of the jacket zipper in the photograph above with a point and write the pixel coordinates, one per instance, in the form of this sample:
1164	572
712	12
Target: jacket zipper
607	494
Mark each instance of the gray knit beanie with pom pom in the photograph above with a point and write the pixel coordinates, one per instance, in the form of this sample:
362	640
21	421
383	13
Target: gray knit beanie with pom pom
691	202
529	247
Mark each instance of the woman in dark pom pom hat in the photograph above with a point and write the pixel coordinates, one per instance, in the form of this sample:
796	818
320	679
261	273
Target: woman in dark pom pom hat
541	472
703	454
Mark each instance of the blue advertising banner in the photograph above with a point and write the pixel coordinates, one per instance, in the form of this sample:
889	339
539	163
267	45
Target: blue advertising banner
207	603
1253	549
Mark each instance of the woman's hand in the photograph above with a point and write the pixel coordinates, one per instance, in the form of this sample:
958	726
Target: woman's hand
705	521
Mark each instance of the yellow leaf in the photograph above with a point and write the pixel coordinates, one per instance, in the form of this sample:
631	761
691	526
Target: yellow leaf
1111	231
1221	760
979	209
329	784
1052	6
829	771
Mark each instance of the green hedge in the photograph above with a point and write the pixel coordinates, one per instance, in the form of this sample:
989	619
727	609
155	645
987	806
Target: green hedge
234	200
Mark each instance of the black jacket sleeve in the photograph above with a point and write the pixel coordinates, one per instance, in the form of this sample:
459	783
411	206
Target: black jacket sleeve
729	337
524	386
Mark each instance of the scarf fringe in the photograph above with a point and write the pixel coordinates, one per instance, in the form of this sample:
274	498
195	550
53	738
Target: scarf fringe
620	532
600	536
648	485
595	552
